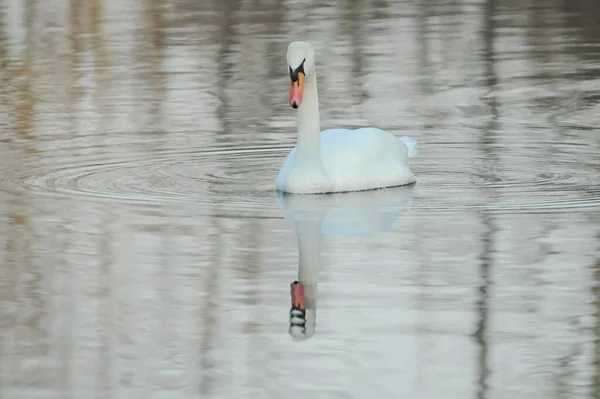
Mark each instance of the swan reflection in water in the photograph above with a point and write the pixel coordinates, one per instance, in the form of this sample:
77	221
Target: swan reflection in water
361	213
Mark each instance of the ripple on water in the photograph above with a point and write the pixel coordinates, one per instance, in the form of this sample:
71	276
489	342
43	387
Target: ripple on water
166	176
242	178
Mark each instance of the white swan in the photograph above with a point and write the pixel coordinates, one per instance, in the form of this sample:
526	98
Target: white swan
336	160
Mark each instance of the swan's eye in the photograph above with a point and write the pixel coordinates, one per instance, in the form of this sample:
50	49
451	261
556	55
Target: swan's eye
294	72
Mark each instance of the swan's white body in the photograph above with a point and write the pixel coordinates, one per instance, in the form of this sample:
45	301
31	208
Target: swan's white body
352	160
338	160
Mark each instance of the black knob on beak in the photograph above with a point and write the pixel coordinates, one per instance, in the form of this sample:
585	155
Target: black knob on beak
294	72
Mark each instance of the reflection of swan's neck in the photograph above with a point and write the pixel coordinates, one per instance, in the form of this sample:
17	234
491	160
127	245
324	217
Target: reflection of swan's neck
309	126
309	249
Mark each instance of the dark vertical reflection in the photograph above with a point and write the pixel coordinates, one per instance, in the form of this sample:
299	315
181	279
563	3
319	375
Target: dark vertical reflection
273	47
486	265
32	339
23	312
486	256
98	43
3	54
225	67
426	75
210	312
105	317
75	72
250	272
26	98
67	308
491	78
596	294
425	79
7	270
152	55
355	19
105	320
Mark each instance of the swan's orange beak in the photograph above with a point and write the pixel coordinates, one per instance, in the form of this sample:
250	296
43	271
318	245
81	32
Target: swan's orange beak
296	90
297	291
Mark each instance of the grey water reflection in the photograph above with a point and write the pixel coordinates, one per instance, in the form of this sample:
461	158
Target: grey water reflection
144	252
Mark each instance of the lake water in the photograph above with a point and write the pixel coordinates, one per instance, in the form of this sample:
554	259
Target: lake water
144	253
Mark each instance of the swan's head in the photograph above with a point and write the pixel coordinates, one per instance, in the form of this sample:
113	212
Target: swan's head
301	63
302	320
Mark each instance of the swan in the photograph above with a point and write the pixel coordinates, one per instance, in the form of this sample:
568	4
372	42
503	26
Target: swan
336	160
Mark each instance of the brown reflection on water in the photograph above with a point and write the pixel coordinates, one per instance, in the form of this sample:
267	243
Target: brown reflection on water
143	253
596	294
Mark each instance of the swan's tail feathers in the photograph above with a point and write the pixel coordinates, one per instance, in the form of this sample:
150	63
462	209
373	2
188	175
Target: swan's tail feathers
411	144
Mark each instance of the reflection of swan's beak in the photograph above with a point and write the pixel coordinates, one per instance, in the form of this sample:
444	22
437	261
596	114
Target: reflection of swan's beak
297	291
298	327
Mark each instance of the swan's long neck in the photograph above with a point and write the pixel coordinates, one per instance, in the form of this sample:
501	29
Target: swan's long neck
309	125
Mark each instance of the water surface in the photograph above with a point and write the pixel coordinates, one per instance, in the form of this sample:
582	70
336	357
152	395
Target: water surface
145	253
